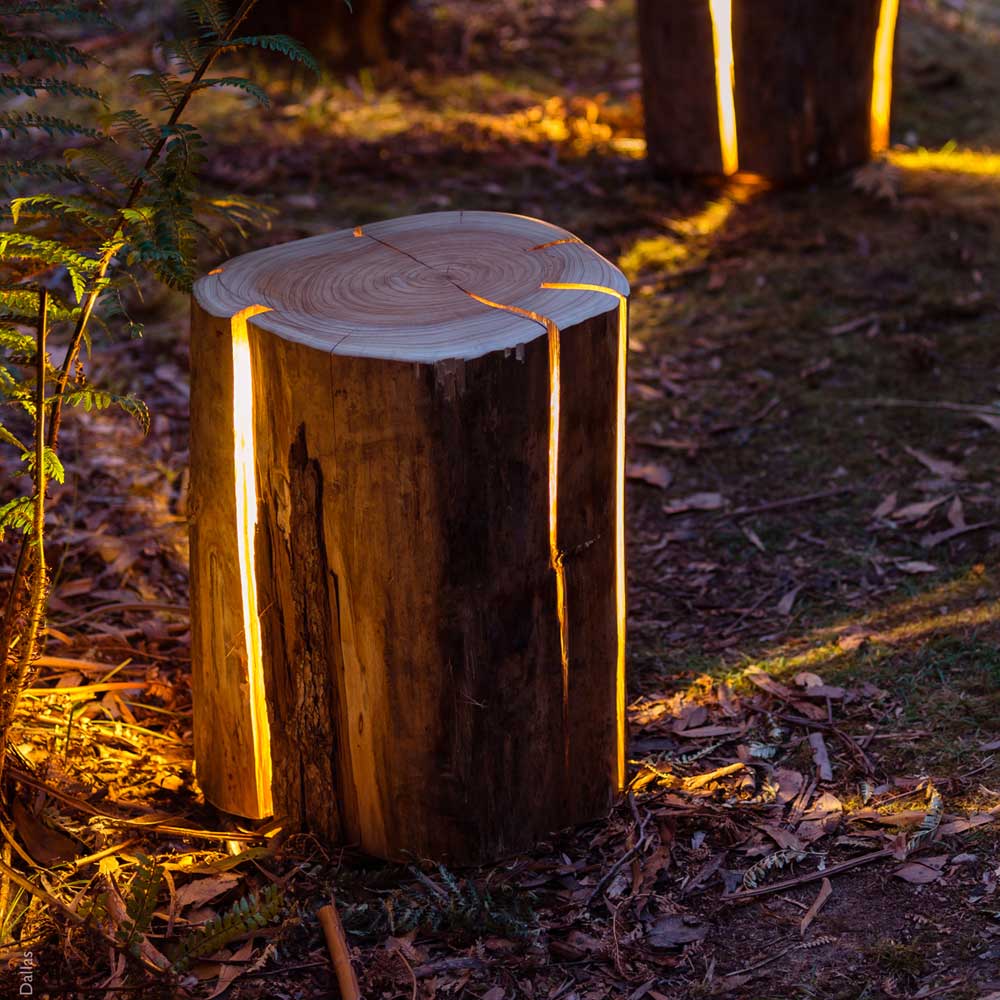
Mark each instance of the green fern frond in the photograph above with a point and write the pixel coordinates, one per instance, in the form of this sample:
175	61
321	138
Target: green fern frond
143	892
96	160
931	821
60	207
93	398
53	466
210	16
8	437
282	44
241	83
21	246
64	12
21	306
18	515
10	169
17	49
142	130
161	85
31	85
188	52
245	916
16	123
16	342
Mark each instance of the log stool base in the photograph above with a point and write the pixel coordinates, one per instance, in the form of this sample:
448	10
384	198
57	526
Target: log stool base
407	547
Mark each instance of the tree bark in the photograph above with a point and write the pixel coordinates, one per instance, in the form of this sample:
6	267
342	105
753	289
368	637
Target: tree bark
439	564
802	84
339	36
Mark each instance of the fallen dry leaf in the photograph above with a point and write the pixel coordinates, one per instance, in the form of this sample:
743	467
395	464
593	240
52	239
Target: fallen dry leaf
939	466
697	501
651	473
886	507
787	602
915	511
915	566
821	756
675	930
923	871
825	891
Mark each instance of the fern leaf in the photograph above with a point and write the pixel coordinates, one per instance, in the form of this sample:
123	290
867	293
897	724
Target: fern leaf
187	52
31	85
21	305
143	893
282	44
162	85
17	49
16	123
103	161
65	207
17	514
53	466
753	876
21	246
10	169
93	398
241	83
8	437
63	12
245	916
16	342
210	16
138	126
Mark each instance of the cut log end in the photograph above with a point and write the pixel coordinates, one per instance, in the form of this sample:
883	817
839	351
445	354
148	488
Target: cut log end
423	288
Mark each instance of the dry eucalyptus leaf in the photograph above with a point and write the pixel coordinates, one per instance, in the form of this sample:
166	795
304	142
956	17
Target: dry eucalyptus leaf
915	566
675	931
886	507
939	466
649	472
697	501
923	871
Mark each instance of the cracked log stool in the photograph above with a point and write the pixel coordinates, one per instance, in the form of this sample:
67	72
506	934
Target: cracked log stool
407	551
785	89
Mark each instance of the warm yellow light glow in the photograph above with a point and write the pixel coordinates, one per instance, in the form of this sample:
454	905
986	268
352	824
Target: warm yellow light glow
619	508
882	76
725	81
246	527
948	159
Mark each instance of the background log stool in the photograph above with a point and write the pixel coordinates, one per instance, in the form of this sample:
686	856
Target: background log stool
785	89
407	548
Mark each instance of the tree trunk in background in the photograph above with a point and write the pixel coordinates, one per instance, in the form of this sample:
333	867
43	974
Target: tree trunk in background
437	459
336	35
800	90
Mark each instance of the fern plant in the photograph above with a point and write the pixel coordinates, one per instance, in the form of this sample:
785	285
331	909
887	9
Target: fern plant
120	201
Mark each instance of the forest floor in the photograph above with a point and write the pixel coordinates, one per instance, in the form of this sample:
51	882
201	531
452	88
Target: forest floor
813	532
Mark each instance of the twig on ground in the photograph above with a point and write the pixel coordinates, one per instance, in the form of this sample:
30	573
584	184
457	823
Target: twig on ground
763	508
624	859
767	890
340	955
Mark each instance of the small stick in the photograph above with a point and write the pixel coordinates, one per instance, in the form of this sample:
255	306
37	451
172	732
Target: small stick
766	890
789	502
336	943
920	404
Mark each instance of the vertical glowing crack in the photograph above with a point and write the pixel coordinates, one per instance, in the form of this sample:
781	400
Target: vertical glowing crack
882	75
246	527
555	556
721	12
619	509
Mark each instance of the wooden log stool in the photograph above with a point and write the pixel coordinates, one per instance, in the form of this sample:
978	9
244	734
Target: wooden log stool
784	89
407	543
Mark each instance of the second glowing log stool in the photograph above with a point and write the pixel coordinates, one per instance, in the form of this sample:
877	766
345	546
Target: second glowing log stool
786	89
407	548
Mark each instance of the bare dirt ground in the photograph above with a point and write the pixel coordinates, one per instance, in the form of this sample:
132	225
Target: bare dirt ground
813	531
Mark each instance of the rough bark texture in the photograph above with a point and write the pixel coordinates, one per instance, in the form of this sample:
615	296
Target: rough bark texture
678	93
439	641
337	35
803	73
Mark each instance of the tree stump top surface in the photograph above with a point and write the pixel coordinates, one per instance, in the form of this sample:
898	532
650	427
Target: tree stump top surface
422	288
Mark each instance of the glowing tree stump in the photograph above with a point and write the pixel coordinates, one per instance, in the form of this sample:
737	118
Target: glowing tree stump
786	89
407	543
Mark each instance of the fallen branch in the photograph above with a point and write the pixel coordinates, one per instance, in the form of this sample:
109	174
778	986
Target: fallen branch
336	943
767	890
